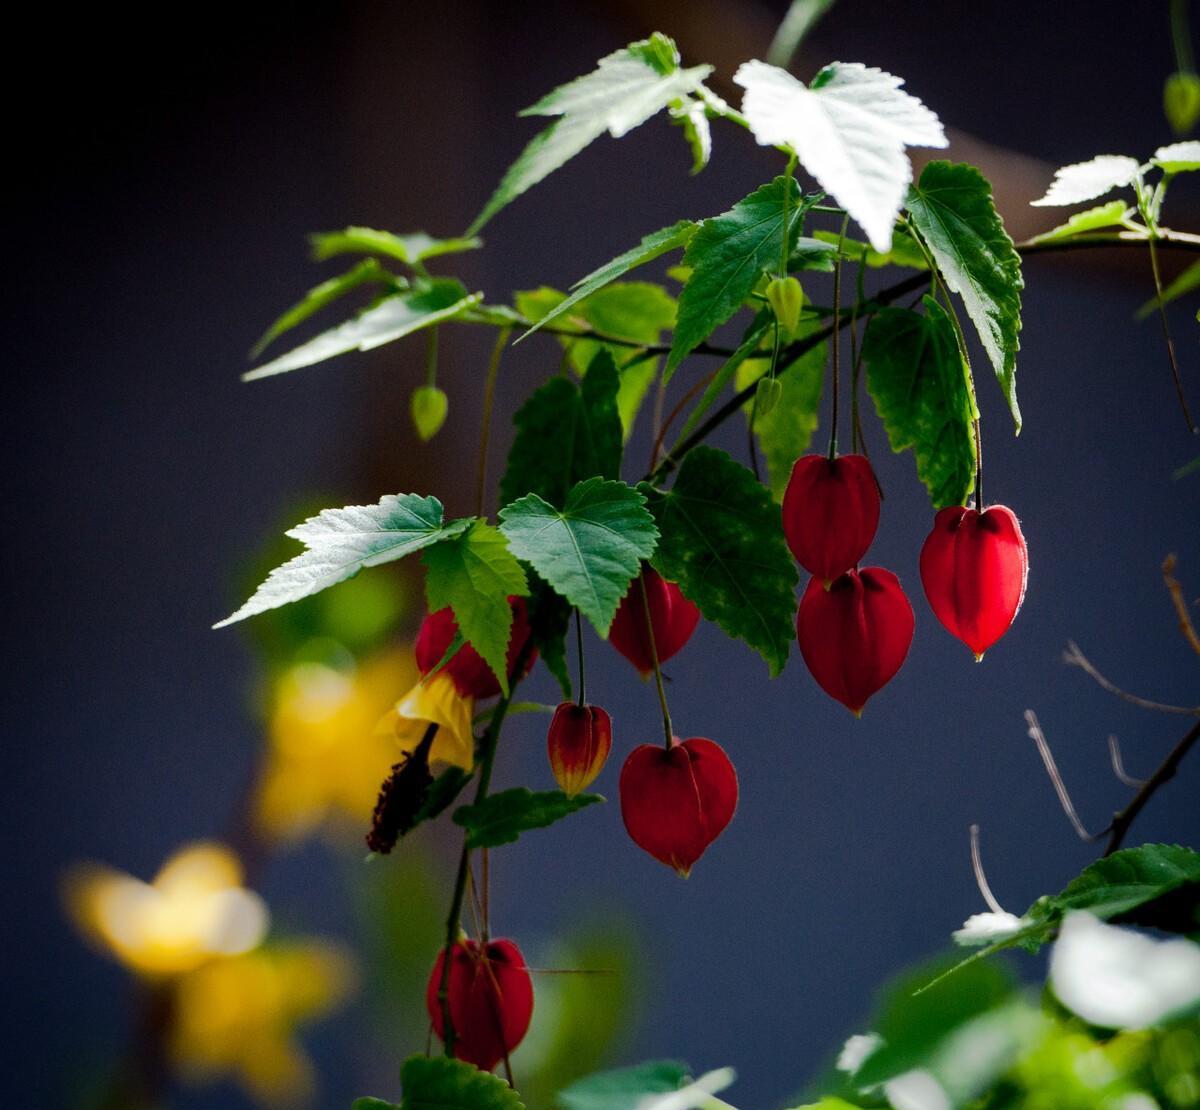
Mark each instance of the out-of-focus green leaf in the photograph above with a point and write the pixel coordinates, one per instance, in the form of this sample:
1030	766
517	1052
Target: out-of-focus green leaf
751	341
1181	101
410	249
389	319
906	251
1188	280
1112	214
501	818
439	1083
624	1088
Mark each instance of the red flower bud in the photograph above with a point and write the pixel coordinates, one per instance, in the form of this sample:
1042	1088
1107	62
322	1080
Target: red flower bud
830	513
675	802
974	567
472	677
579	741
491	1000
672	617
855	634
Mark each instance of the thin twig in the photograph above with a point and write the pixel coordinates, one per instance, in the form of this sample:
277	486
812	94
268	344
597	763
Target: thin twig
1075	658
485	428
980	877
1170	342
1056	779
1122	820
1114	754
1175	589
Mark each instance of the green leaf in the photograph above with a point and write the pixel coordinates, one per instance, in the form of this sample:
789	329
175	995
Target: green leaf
721	539
501	818
652	246
692	115
442	793
1178	157
372	1104
727	255
786	432
755	333
588	551
916	376
475	574
952	208
439	1083
1187	280
624	1088
410	249
340	542
849	129
906	251
366	272
389	319
549	620
626	89
565	433
1112	214
1082	181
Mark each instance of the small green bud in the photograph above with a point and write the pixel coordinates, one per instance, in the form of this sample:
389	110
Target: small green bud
767	394
1181	101
786	298
428	406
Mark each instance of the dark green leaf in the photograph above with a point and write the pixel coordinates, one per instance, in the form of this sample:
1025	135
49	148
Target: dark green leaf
566	433
410	249
372	1104
906	251
588	551
340	542
1126	880
501	818
727	255
1184	283
626	89
917	378
952	208
549	619
755	333
442	793
474	574
624	1088
721	539
391	318
366	272
439	1083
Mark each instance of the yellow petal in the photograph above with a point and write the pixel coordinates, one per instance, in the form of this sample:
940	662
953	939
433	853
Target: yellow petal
436	701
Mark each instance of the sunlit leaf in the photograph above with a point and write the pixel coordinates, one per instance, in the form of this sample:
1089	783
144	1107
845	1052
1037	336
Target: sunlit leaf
1112	214
1082	181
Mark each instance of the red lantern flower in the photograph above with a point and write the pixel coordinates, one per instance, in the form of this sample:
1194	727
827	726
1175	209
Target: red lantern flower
578	742
830	513
974	567
676	801
672	617
491	1000
855	634
472	677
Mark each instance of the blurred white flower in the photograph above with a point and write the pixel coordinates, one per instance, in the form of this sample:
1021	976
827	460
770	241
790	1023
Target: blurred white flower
983	928
916	1090
856	1050
1120	979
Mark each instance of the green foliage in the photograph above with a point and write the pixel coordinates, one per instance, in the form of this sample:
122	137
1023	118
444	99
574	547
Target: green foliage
501	818
412	249
549	619
1088	180
442	793
849	129
626	89
439	1083
624	1088
906	251
588	551
1184	283
1112	214
566	433
721	539
340	542
474	573
1181	101
755	333
366	272
785	431
728	254
952	208
917	378
1178	157
392	318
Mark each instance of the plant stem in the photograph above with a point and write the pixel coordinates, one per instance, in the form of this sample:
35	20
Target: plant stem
1181	37
1166	330
837	331
1166	771
485	427
431	356
978	466
658	679
579	648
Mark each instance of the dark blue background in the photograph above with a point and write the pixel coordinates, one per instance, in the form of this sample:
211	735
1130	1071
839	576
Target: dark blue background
162	193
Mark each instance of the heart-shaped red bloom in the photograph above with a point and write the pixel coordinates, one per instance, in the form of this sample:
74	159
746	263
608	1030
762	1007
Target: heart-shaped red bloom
974	567
675	802
472	677
578	743
830	513
491	1000
855	634
672	617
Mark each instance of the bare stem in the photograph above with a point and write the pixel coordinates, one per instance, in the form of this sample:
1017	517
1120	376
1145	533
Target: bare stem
1166	330
658	679
980	877
1075	658
1114	755
1175	589
485	428
1166	771
1056	779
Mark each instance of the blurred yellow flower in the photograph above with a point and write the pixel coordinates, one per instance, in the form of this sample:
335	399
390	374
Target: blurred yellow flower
325	757
195	909
434	701
237	1018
